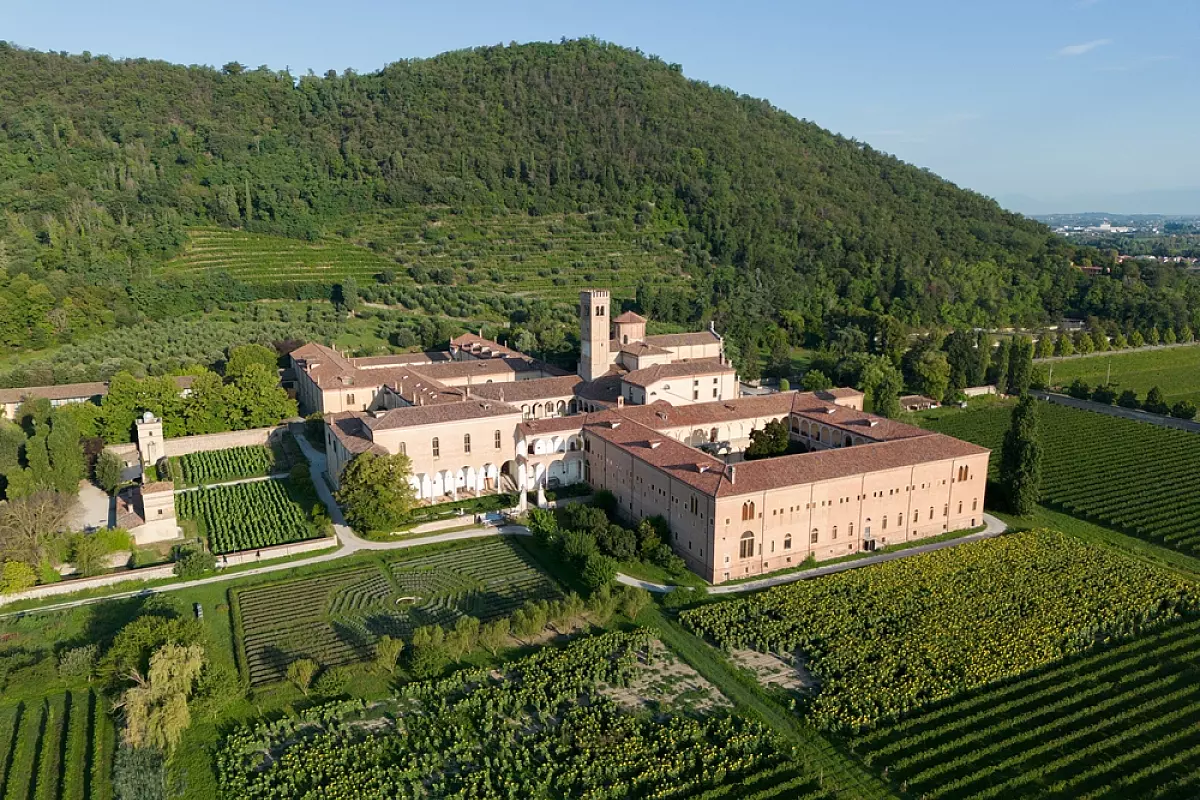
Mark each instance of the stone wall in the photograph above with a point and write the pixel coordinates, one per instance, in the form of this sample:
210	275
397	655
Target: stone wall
278	551
66	587
221	441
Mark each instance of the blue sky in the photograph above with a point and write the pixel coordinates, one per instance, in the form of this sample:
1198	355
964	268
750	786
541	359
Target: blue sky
1047	105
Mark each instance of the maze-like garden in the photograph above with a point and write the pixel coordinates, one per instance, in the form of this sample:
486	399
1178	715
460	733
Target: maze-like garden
334	618
1134	476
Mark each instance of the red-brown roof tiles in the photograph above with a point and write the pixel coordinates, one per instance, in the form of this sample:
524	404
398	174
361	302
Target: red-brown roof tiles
677	369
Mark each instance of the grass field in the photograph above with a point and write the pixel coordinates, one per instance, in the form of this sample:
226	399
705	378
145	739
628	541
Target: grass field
1132	476
57	747
1120	723
335	617
1175	370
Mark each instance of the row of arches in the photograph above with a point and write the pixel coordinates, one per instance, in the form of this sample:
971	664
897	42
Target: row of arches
548	409
447	483
824	434
553	444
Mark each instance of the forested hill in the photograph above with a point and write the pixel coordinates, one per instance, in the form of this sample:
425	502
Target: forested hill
105	164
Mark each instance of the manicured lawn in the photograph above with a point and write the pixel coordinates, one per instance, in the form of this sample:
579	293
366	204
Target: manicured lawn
1175	370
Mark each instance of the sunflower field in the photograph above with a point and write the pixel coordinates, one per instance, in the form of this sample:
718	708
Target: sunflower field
887	639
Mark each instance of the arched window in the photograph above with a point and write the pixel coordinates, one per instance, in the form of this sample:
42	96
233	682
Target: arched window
834	533
787	542
747	545
437	447
960	506
885	522
525	412
467	443
848	441
497	440
916	516
812	537
851	530
712	435
899	520
747	511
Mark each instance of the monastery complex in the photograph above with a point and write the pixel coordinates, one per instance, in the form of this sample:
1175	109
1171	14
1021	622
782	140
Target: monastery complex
660	422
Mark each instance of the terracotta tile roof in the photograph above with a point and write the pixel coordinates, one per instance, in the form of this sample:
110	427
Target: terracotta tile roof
66	391
157	487
860	423
523	391
670	340
824	465
839	392
482	367
681	462
535	427
437	414
73	391
916	400
629	316
402	359
637	348
677	369
349	429
604	390
660	415
479	345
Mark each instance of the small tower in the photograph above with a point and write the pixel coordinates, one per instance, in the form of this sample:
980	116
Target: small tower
150	439
594	358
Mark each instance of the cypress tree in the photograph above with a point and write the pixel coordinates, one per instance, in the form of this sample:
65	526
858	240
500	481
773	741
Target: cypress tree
1021	458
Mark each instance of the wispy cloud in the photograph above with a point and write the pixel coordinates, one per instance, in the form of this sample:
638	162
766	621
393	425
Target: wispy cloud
1081	49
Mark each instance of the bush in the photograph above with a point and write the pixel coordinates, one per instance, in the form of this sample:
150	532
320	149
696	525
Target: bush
16	576
578	546
194	563
598	571
139	774
331	683
1079	389
618	542
1184	409
1129	399
78	662
785	385
1105	394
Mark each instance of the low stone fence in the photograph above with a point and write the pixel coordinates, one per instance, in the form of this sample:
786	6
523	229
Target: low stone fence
277	551
183	445
66	587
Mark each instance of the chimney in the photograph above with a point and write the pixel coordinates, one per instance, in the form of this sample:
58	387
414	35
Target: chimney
621	401
654	445
501	395
731	473
702	468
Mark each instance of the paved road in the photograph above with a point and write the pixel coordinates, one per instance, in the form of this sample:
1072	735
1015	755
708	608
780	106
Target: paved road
1073	356
1134	414
995	527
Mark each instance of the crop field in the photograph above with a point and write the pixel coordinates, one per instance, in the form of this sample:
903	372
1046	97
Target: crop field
552	257
542	727
1123	722
334	618
213	466
887	639
276	261
1132	476
59	747
1175	370
245	516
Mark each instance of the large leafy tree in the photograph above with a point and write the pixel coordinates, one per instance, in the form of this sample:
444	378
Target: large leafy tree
375	491
1021	458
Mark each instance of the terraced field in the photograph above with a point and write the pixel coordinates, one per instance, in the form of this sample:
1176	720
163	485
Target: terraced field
1121	723
57	748
552	257
275	261
335	618
1132	476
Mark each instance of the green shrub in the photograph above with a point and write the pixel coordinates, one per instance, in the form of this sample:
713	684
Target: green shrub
78	662
16	576
193	562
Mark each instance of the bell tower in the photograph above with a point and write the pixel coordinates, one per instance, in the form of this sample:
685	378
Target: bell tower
594	358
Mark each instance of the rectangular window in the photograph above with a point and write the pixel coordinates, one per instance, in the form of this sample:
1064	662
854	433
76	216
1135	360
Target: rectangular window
467	443
497	440
403	449
975	504
714	392
946	510
695	394
349	399
812	538
885	522
437	448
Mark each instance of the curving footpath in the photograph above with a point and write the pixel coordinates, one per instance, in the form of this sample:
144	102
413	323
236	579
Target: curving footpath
994	527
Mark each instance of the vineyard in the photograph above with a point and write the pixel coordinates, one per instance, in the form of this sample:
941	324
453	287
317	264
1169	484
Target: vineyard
541	728
551	257
275	261
214	466
245	516
334	618
885	640
1129	475
59	747
1120	723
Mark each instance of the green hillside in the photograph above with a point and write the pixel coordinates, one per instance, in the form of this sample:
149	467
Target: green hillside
527	169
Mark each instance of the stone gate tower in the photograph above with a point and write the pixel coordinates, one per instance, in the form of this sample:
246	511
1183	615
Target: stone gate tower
594	358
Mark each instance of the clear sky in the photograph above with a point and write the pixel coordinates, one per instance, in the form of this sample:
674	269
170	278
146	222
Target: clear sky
1047	105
